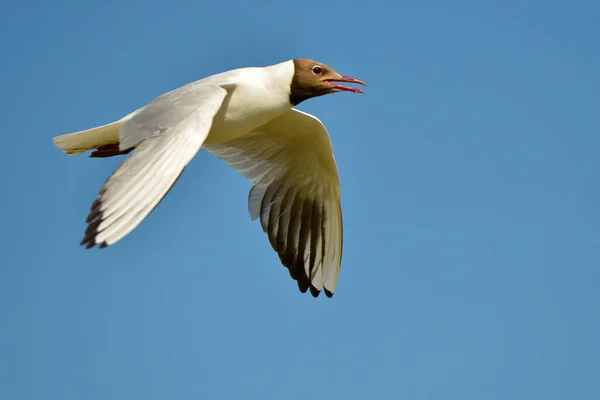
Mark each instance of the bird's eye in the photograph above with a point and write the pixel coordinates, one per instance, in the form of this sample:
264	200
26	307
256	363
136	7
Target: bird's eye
317	70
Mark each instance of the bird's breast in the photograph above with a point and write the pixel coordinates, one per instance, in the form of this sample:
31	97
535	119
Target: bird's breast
245	109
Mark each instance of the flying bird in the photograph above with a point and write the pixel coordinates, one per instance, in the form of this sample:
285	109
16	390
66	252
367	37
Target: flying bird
246	117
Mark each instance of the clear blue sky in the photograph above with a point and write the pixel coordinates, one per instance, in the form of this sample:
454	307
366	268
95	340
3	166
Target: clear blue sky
470	176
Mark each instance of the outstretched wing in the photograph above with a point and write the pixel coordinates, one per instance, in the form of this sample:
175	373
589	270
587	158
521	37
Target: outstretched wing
166	134
296	194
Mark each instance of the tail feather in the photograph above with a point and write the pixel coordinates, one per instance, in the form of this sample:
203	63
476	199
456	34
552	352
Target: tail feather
90	139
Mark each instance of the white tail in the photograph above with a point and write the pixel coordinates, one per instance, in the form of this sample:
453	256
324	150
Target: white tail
89	139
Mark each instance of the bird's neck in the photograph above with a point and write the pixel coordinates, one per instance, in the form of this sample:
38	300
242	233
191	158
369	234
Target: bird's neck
279	77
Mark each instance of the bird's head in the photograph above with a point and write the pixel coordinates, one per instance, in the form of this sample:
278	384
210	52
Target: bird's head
313	79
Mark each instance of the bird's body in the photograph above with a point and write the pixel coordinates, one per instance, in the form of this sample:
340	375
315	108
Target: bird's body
246	117
240	112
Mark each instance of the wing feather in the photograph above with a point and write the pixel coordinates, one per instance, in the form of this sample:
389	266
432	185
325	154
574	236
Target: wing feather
295	194
167	135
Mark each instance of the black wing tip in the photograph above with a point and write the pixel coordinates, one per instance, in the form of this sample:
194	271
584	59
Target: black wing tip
109	150
89	243
314	291
89	240
94	219
298	274
303	288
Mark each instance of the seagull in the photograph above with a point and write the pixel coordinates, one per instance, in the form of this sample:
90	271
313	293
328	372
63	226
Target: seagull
247	118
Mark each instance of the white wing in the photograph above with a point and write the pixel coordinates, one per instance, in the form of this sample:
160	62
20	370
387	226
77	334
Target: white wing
296	194
168	133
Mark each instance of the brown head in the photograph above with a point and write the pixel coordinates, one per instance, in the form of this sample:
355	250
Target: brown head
313	79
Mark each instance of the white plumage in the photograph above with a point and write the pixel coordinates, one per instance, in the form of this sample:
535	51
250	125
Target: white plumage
246	118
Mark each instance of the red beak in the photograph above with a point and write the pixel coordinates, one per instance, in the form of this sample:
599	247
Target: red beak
347	79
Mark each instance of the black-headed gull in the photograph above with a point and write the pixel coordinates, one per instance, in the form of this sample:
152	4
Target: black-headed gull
247	118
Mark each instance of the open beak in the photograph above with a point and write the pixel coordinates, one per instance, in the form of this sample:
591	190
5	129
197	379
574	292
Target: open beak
347	79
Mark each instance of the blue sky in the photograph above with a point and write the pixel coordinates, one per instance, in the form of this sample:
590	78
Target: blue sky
470	192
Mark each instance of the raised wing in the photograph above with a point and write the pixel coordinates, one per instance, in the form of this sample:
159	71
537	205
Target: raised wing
167	134
296	194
